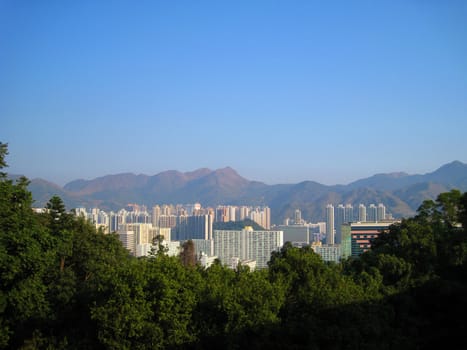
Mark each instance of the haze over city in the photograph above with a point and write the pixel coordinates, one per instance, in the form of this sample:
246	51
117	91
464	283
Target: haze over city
280	91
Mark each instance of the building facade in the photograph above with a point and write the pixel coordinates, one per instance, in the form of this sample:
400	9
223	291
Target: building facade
330	228
362	234
247	244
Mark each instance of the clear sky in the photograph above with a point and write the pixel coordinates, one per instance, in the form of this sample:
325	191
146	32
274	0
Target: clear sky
281	91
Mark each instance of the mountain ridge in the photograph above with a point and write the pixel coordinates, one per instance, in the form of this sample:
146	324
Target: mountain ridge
400	192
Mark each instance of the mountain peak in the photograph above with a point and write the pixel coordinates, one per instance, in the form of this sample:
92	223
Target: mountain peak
226	171
402	192
453	165
228	175
198	173
455	171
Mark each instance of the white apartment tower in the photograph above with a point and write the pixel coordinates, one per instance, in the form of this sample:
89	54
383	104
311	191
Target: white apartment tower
330	231
247	244
381	212
339	220
128	240
156	213
262	216
372	213
349	217
362	213
243	213
297	217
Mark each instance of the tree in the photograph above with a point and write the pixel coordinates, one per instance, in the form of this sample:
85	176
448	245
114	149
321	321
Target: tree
3	154
60	224
188	254
64	285
158	248
26	254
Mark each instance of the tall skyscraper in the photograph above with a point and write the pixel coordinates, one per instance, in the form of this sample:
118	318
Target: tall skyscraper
372	213
166	210
232	213
262	216
297	217
156	213
222	214
349	217
243	213
267	218
362	213
330	232
339	220
168	221
381	212
113	222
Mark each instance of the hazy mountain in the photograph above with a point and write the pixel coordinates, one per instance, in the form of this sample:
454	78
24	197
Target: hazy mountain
453	174
384	181
42	190
400	192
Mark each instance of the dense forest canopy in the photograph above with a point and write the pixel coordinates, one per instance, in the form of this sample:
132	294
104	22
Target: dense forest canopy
65	285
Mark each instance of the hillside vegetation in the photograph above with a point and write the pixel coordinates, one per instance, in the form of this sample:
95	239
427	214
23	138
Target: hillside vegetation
65	285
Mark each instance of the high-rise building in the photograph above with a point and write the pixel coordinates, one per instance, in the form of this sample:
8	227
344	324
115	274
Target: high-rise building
143	233
166	209
328	252
296	233
330	231
128	240
346	241
297	217
362	235
262	216
194	227
192	209
167	221
266	218
222	214
381	212
165	233
113	221
205	246
339	220
247	244
349	216
243	213
81	212
372	213
361	213
156	213
232	213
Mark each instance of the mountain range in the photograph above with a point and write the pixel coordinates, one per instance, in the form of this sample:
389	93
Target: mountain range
400	192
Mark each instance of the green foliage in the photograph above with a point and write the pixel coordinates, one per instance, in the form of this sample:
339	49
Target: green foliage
25	258
3	154
64	285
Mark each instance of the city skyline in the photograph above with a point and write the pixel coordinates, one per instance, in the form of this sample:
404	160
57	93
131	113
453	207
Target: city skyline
283	93
139	228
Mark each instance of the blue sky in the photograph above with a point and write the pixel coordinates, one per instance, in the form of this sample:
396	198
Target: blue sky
282	91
